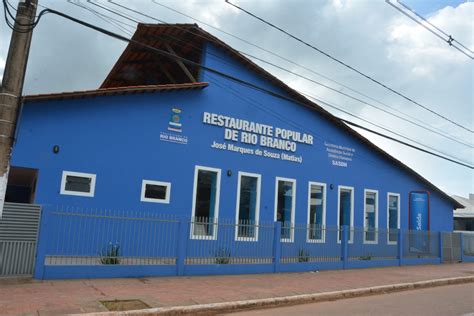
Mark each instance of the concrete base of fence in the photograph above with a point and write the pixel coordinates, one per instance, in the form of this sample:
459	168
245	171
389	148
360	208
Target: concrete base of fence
55	272
288	300
360	264
416	261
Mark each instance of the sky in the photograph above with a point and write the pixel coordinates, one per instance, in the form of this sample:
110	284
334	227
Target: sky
369	35
428	7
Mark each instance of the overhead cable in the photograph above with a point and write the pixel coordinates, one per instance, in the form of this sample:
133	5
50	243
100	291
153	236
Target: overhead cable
349	67
115	22
209	69
449	39
412	121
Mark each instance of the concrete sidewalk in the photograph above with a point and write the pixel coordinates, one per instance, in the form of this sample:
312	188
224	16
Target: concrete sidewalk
28	297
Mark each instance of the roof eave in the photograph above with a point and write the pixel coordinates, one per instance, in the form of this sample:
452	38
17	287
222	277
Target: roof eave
115	91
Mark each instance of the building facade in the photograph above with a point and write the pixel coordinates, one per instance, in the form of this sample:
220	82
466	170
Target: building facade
163	137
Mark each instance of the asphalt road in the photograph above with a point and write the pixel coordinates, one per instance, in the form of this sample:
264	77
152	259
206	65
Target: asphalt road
443	300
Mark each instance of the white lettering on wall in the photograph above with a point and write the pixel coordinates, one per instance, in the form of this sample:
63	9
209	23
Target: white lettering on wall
256	152
254	133
340	156
418	221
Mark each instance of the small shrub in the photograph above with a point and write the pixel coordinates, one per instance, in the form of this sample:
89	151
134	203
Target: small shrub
303	255
366	257
222	256
111	254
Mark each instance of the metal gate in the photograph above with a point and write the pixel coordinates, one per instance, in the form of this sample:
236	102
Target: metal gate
451	247
18	235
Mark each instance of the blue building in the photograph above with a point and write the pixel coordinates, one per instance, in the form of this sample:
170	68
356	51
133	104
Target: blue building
165	137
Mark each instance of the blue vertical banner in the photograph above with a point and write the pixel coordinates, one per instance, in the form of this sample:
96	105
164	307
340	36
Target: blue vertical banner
419	220
419	211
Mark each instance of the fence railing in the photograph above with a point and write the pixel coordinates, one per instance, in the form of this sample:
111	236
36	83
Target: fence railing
372	244
228	242
311	244
98	237
72	238
467	246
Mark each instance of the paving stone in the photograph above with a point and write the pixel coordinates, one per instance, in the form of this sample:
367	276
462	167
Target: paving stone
51	297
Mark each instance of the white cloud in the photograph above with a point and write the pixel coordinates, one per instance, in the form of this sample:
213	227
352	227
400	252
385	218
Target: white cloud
415	47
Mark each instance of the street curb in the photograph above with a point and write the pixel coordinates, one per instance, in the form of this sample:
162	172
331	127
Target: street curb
287	300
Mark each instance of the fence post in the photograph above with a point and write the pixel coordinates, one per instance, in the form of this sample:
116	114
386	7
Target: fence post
344	241
440	247
41	243
277	247
461	245
400	246
182	243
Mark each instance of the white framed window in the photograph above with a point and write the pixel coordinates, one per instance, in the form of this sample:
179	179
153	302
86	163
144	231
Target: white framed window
393	217
371	216
205	209
345	210
78	183
155	191
316	212
285	201
248	206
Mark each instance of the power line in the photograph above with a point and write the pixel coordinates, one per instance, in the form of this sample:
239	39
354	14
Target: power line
8	15
328	104
287	120
349	67
274	54
320	100
406	144
367	103
113	11
449	40
315	98
296	74
377	125
211	70
104	17
78	3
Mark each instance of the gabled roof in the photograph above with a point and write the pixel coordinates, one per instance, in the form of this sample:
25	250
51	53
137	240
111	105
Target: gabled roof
139	66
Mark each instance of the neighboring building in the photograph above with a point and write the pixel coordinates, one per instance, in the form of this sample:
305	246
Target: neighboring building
163	137
464	217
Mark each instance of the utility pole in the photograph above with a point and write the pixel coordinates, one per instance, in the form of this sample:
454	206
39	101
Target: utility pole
12	86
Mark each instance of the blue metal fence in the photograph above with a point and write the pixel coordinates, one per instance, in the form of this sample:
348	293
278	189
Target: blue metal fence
370	245
311	244
78	243
97	237
241	243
